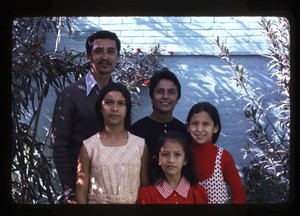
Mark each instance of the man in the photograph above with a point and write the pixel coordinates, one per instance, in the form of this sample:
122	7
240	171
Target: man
74	117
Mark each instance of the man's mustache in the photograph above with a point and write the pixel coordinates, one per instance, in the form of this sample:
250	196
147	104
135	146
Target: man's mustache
106	62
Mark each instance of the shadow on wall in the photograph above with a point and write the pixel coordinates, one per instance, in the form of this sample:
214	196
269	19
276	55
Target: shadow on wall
203	78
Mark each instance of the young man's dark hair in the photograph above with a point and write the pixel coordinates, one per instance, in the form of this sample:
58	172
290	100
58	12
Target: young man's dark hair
164	73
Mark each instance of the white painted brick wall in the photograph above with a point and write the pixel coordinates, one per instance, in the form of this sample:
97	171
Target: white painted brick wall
182	35
195	62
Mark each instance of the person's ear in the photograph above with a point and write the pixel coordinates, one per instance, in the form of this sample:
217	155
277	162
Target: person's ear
87	57
159	160
187	127
216	128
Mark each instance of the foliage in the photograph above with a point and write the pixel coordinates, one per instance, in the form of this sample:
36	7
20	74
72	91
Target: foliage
137	67
267	176
34	69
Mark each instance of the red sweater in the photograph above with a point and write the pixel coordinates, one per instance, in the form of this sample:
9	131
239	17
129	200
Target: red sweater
205	157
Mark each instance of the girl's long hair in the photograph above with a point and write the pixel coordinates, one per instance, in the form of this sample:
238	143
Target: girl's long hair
212	112
113	86
188	170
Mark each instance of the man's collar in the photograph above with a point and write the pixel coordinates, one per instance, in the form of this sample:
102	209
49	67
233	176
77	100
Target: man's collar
90	83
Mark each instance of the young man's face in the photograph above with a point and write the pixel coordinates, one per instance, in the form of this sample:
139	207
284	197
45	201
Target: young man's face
165	96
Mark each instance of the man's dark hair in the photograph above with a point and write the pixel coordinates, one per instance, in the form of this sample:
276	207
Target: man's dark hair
101	35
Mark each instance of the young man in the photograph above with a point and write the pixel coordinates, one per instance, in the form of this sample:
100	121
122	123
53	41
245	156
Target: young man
164	91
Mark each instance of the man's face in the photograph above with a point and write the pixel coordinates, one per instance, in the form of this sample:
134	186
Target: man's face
104	56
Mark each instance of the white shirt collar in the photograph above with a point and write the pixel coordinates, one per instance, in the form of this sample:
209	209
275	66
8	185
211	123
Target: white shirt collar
90	83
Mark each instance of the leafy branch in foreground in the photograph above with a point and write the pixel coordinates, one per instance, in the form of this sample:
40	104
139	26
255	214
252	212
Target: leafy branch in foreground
267	176
34	178
136	67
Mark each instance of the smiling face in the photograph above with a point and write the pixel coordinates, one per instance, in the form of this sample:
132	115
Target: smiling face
172	158
114	108
165	96
201	127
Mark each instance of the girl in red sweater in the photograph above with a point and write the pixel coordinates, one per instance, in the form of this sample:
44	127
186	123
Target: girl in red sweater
215	167
173	173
